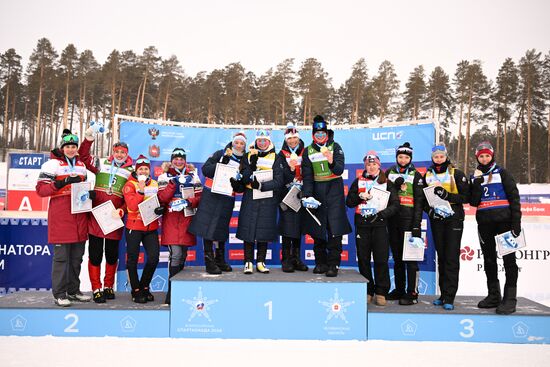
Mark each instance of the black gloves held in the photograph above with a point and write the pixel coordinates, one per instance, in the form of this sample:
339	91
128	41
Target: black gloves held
399	181
67	181
92	194
225	159
441	192
516	229
159	210
255	184
416	232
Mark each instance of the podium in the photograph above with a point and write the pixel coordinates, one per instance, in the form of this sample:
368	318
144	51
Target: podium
299	305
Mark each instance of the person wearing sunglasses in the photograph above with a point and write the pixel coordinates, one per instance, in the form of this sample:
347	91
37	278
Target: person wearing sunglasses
495	194
258	217
447	225
111	175
139	187
181	188
322	166
211	222
408	183
290	222
67	232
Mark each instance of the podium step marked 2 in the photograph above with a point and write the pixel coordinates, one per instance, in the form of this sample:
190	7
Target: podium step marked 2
35	314
299	305
530	324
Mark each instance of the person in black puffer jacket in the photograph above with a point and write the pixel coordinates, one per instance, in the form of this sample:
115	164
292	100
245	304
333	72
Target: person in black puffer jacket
371	232
496	196
408	184
290	222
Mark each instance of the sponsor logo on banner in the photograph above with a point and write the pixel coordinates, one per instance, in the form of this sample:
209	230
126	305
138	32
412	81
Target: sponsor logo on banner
200	317
346	189
154	151
336	309
388	135
527	209
268	254
309	255
153	133
345	174
309	239
236	254
345	239
466	253
157	171
191	255
234	222
344	255
237	206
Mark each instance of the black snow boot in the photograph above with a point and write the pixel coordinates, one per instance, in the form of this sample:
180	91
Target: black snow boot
298	264
509	301
220	258
286	262
209	261
493	299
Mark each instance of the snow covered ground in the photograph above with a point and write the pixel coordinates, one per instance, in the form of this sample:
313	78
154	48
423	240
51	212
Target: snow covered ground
109	351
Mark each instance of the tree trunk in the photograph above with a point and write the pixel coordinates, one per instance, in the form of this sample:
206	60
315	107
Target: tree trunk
305	109
72	115
529	119
460	128
52	113
143	93
14	123
82	106
66	104
505	148
283	114
39	112
467	138
137	100
113	100
166	100
6	110
548	147
497	152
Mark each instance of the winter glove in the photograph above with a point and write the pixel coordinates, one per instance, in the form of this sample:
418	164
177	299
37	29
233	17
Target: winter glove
416	232
441	192
91	194
159	210
256	184
67	181
399	181
234	184
516	229
225	159
477	181
89	134
253	160
310	203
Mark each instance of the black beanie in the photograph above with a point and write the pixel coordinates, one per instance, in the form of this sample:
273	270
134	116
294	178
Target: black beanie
68	138
178	152
404	149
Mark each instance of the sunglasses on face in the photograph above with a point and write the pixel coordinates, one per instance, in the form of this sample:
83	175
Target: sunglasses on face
438	147
178	152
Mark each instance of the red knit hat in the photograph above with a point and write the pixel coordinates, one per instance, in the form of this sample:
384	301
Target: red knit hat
371	157
142	161
484	148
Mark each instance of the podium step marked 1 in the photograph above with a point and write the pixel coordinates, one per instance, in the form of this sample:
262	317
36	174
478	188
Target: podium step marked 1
530	324
269	306
35	314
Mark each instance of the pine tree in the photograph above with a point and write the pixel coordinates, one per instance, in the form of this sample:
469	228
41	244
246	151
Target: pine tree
461	99
314	89
415	93
10	75
439	97
385	89
67	64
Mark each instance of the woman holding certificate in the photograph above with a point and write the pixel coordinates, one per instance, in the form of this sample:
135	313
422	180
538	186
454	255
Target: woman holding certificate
375	200
211	222
448	191
290	221
408	184
325	219
111	175
67	232
496	196
262	174
181	188
138	189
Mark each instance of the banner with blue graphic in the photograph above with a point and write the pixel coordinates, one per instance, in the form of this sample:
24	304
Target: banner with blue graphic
158	141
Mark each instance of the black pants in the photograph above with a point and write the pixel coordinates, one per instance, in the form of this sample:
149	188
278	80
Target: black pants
292	243
374	240
487	233
400	267
249	251
95	250
66	262
447	235
328	252
150	242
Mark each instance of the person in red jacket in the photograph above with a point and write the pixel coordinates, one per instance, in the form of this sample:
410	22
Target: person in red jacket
181	188
140	187
110	176
68	232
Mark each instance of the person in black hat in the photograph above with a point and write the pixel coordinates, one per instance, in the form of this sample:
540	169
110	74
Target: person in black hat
322	167
408	183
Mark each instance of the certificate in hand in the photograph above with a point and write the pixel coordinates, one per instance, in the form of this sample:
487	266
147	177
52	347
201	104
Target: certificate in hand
379	199
434	200
507	243
413	251
103	214
80	198
189	192
147	209
262	176
221	184
292	200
